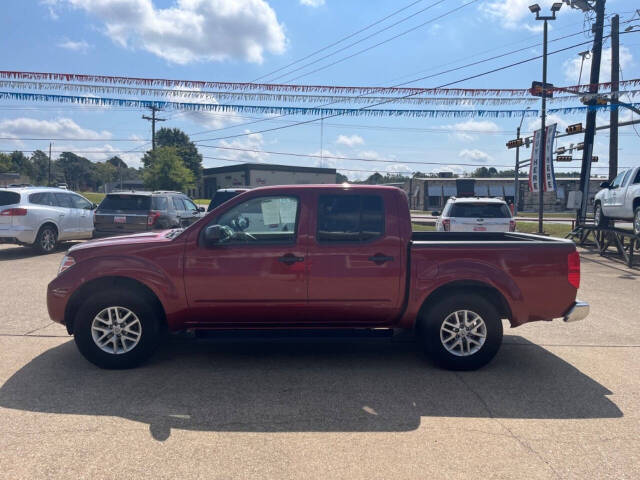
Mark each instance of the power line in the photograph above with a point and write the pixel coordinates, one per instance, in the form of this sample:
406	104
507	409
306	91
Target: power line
409	95
369	36
340	40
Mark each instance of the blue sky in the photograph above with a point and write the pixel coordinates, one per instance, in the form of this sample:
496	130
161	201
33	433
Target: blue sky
242	40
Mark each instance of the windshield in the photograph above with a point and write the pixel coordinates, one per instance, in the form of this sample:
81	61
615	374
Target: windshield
220	197
480	210
126	202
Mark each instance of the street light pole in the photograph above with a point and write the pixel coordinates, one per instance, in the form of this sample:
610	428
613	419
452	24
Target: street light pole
543	114
543	126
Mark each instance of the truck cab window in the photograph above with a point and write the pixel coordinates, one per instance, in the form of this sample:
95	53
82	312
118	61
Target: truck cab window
350	218
262	220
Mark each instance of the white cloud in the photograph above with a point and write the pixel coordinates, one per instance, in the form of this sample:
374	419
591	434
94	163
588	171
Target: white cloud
191	30
254	141
515	14
58	128
475	155
534	123
80	46
350	140
465	130
312	3
571	67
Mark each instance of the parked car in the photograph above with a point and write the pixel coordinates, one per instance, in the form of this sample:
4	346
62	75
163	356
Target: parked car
475	214
224	194
324	256
619	200
41	217
132	212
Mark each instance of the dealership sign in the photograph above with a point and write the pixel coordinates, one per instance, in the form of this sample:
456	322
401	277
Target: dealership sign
546	169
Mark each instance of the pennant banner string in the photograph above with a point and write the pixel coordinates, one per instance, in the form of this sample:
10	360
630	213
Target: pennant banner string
236	86
280	97
288	110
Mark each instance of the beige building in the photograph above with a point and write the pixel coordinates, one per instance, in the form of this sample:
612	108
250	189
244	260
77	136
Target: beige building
262	174
432	193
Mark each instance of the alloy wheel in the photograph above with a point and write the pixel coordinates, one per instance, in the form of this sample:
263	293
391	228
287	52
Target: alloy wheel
116	330
463	333
48	240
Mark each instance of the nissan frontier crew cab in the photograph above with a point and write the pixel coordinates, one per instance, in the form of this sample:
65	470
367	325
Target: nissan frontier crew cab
313	257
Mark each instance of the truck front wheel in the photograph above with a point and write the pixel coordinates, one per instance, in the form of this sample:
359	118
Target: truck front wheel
117	329
461	332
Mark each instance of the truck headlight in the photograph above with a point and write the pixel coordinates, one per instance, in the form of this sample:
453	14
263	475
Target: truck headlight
66	263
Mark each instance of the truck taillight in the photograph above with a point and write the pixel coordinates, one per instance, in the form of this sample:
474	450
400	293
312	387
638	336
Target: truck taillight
153	216
512	225
573	271
446	224
14	212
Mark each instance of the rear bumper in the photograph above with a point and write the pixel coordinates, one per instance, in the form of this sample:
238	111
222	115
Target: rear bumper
17	234
579	311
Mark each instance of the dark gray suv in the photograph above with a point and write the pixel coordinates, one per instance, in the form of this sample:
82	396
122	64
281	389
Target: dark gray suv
122	213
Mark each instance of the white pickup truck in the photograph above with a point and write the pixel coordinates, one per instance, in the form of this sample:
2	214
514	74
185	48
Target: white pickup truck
619	200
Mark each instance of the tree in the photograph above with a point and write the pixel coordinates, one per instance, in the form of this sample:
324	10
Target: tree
185	148
104	173
21	164
165	170
77	171
5	163
340	178
40	162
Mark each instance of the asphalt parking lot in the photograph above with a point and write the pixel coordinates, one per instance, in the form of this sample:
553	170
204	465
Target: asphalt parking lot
559	401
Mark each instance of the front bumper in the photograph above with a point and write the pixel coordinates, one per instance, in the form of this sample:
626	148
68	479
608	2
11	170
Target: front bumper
579	311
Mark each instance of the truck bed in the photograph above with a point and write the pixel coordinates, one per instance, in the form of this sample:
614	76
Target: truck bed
482	237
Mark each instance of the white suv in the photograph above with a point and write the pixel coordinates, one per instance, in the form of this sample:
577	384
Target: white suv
619	200
41	217
475	214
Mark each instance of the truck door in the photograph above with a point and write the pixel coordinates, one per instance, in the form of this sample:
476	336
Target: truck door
356	259
258	276
618	195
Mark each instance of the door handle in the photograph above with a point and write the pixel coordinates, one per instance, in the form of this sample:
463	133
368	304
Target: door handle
290	259
379	259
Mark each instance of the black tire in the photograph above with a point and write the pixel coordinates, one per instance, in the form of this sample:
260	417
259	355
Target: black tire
636	221
46	240
433	319
599	218
150	329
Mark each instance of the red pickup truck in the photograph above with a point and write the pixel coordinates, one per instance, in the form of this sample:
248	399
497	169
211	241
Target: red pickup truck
314	257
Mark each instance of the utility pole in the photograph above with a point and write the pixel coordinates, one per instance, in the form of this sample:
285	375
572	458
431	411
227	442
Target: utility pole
49	175
615	87
590	130
153	120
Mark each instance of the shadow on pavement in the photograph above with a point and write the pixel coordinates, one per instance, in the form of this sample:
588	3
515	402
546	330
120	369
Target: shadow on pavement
304	385
18	252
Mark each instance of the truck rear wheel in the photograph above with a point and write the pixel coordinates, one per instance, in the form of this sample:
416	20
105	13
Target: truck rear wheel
117	329
461	332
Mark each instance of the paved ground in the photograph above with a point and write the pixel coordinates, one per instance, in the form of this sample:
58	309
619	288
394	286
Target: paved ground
559	401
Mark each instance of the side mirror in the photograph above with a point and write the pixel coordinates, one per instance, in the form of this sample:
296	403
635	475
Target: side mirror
435	213
604	185
215	234
94	206
201	209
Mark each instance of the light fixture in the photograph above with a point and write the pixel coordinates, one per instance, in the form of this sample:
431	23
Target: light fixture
556	6
535	8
